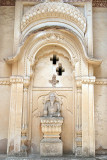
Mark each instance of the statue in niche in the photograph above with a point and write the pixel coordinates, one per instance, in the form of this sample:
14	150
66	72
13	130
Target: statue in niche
52	106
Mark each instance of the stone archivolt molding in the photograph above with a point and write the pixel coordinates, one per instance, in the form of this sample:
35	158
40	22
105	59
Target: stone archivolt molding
55	37
75	49
54	10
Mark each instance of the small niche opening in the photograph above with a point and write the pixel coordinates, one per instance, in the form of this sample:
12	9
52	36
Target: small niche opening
60	70
54	59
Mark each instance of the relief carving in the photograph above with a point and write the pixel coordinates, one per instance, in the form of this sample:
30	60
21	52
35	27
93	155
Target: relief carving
52	106
54	81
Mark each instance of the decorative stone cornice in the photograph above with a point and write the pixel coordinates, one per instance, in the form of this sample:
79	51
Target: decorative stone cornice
101	82
54	10
26	81
16	79
88	80
84	80
4	81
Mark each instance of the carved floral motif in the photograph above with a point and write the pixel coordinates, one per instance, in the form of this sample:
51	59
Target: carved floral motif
54	9
54	81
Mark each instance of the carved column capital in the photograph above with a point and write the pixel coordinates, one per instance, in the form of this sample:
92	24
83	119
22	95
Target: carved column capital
26	82
78	82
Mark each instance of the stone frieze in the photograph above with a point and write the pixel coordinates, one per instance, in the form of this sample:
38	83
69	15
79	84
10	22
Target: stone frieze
96	3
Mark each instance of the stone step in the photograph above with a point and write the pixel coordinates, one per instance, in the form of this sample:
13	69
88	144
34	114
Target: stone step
65	157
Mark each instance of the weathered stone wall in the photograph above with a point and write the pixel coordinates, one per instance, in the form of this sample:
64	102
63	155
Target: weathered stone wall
100	40
4	116
101	119
6	38
100	51
6	49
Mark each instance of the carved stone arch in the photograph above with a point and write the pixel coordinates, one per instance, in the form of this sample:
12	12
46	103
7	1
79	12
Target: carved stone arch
54	10
52	39
58	51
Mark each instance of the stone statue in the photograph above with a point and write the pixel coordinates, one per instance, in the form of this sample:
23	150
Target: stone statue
52	106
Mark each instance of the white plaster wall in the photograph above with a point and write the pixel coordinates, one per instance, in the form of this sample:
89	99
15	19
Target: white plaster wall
100	40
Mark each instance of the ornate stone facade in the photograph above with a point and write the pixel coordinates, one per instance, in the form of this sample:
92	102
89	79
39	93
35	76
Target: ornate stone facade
53	63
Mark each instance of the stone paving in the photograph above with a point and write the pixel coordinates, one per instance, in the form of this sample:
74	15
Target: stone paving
37	157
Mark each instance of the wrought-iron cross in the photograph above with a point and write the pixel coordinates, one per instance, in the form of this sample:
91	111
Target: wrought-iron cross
54	81
60	69
54	59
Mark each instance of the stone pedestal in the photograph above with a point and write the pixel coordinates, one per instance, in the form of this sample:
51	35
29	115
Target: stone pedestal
51	145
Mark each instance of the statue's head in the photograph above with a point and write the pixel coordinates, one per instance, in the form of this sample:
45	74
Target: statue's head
52	97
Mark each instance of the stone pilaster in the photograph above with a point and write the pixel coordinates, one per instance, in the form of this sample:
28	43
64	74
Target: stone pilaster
91	120
88	135
78	150
14	132
24	132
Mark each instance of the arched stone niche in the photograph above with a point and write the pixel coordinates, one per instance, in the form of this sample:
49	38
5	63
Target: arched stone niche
38	42
64	89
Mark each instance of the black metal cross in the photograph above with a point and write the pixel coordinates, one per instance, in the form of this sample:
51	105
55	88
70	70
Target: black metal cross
60	69
54	59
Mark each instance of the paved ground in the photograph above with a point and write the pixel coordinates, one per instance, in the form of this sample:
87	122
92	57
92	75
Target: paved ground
37	157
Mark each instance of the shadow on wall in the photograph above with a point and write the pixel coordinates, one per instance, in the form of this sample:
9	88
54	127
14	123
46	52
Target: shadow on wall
3	146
